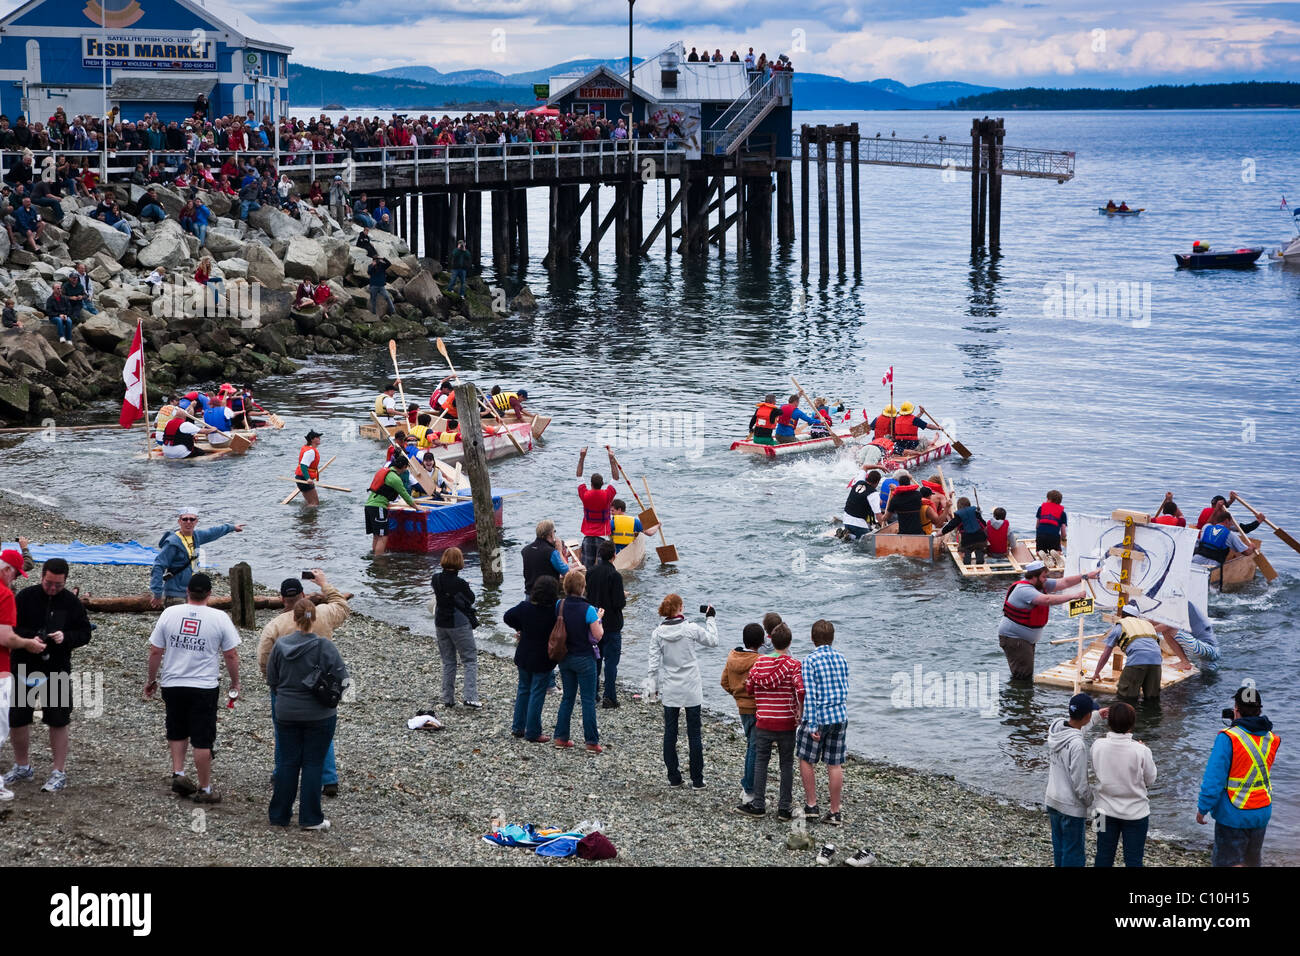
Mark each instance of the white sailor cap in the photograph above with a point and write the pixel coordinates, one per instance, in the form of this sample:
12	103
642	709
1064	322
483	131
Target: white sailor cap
182	512
1033	567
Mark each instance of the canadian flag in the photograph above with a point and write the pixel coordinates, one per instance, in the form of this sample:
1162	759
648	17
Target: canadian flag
133	378
888	378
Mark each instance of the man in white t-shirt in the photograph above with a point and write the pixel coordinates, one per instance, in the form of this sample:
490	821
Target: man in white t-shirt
189	642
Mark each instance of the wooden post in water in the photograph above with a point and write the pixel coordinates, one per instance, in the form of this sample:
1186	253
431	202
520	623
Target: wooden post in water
635	225
976	221
474	228
500	254
426	224
520	198
784	202
857	198
476	470
553	197
839	201
511	228
823	207
594	206
621	229
722	217
803	198
995	131
242	611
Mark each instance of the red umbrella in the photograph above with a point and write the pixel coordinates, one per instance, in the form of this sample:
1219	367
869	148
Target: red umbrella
543	111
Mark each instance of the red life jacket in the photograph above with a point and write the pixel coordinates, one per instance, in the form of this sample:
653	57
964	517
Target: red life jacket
377	484
883	423
1036	617
172	430
1050	515
787	414
1165	519
313	470
905	428
998	537
884	443
765	417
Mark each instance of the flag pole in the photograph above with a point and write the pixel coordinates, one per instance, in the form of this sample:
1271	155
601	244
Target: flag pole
144	394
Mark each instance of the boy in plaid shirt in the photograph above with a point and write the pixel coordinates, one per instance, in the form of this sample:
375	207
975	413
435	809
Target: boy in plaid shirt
823	731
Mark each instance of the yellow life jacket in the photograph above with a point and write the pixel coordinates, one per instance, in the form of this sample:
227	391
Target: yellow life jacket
421	435
189	548
379	404
624	530
1131	629
502	400
165	414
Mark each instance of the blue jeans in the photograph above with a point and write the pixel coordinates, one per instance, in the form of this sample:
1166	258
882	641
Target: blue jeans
364	219
457	275
88	306
378	292
63	324
577	672
747	721
1067	838
301	746
123	227
694	743
1135	840
611	650
530	695
201	231
330	773
52	204
155	211
248	205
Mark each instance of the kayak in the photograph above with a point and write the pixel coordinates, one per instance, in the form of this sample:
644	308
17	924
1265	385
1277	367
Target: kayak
1236	259
1120	212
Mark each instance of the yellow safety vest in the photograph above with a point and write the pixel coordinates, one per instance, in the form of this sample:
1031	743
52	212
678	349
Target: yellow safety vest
624	530
502	400
189	548
421	435
1131	629
379	404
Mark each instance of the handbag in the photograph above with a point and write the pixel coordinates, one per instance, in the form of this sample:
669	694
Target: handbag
557	645
324	686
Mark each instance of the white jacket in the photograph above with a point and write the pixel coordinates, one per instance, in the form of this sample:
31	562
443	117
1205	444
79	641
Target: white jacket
674	671
1124	769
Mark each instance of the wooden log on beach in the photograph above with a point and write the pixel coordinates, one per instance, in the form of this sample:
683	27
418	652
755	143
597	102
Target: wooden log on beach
139	603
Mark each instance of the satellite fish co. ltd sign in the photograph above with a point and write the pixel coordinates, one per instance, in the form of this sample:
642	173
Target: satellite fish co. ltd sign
149	51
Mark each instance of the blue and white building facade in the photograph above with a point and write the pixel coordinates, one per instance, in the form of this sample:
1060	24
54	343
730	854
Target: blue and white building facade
161	54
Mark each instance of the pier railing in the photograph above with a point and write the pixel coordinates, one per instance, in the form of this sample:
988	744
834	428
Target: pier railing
931	154
409	166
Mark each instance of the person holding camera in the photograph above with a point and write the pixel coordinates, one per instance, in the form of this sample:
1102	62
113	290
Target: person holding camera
330	614
1237	787
307	675
454	621
675	676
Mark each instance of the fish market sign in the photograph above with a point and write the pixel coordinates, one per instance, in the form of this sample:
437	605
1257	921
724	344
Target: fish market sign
149	51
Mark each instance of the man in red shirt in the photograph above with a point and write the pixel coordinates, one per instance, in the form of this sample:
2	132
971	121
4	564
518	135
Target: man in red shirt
596	502
11	566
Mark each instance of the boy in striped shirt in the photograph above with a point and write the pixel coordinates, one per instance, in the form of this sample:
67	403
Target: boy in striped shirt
823	731
777	686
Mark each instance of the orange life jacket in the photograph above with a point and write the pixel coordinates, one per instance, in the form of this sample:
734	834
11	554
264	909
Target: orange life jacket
905	428
766	416
313	470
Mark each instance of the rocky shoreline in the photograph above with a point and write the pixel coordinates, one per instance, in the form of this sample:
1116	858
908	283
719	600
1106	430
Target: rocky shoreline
250	333
419	798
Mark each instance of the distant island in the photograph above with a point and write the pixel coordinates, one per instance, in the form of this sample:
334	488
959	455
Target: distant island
1196	96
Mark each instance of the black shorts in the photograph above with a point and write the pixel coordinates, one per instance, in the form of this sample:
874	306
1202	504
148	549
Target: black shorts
376	521
54	691
1047	543
306	485
192	715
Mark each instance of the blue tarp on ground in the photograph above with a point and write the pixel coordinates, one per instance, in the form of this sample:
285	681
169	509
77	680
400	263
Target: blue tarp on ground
132	552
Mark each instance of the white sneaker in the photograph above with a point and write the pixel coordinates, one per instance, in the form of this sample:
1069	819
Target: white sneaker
5	793
863	857
746	796
826	855
58	780
19	773
322	826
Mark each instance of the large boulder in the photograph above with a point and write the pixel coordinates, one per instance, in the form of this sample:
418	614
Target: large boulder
233	268
104	332
337	256
90	236
263	265
15	400
222	242
5	245
305	259
218	202
276	224
388	245
167	247
113	299
423	293
29	347
108	263
169	199
524	300
32	289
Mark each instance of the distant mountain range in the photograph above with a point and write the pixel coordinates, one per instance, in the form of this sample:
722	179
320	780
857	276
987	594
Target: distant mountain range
1207	96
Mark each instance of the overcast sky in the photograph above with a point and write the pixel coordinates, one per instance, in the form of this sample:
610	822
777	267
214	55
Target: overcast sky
994	42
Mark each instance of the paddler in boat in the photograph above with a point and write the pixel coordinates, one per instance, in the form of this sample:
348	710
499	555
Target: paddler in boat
195	398
973	542
386	487
882	426
218	419
821	426
906	506
1201	642
430	464
1123	207
1025	612
386	406
1217	513
241	405
861	506
1216	544
1110	206
763	421
789	414
308	469
178	437
907	426
402	441
1169	513
420	430
505	402
623	528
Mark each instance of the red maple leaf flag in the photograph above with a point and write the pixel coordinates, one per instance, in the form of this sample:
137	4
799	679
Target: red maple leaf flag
133	378
888	378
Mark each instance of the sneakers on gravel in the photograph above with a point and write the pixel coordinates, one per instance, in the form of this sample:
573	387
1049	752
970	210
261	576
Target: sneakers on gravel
811	814
183	785
863	857
19	773
833	819
5	793
826	855
207	796
322	826
58	780
749	810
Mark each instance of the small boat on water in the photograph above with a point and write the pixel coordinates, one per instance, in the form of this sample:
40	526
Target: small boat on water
1290	253
496	440
437	526
1120	212
879	458
1011	564
1236	259
1236	572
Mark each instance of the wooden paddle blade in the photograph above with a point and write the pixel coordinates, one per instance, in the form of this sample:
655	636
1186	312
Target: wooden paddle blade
860	429
667	553
961	449
1291	542
1265	568
392	348
648	519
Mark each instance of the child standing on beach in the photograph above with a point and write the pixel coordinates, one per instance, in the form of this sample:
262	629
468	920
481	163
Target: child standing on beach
739	662
776	681
823	732
1068	792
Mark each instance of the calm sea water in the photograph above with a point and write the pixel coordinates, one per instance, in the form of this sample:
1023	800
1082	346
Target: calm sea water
1196	397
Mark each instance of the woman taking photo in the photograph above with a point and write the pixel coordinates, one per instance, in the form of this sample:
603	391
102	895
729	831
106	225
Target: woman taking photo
675	674
454	621
304	717
533	620
583	632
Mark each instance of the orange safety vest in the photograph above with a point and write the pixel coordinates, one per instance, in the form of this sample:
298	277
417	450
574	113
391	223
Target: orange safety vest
1250	783
884	426
765	416
905	428
313	470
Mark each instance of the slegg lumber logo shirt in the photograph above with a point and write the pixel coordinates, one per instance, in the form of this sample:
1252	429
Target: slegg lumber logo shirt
193	639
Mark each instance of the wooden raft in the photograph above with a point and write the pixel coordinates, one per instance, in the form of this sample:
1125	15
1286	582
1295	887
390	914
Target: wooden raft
1063	674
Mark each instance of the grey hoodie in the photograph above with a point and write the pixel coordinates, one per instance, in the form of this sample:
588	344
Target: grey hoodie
674	671
292	662
1068	790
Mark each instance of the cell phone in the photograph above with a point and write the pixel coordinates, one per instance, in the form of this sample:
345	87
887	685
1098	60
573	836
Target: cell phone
704	609
308	576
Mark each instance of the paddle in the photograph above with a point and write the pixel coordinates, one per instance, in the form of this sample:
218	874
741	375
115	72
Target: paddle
961	449
298	491
392	351
668	552
649	520
422	477
839	442
316	483
1291	542
1261	562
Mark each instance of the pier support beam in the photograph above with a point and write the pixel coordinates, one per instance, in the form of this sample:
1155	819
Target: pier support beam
500	236
993	135
474	228
839	204
480	483
785	199
823	208
857	212
519	205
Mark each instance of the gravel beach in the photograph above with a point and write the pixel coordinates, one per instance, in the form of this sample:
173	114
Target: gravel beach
412	797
